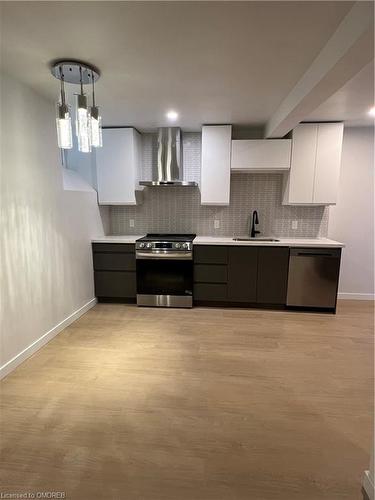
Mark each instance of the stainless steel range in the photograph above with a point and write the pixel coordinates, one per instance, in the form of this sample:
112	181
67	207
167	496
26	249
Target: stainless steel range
165	270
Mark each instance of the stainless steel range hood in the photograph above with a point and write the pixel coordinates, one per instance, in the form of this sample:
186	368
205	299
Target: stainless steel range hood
168	171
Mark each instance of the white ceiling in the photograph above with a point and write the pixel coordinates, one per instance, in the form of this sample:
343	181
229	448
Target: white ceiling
214	62
351	103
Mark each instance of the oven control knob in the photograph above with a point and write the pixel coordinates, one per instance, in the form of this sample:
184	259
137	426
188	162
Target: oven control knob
177	245
186	245
149	245
141	245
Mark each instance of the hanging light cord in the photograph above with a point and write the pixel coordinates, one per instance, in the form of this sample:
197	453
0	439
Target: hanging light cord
80	77
93	89
62	87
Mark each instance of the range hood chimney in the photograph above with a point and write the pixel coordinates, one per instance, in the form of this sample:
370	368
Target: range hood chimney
169	170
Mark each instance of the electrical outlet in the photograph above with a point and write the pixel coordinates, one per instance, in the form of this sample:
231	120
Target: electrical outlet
131	222
294	224
216	224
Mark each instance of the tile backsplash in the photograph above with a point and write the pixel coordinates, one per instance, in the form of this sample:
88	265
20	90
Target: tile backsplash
178	209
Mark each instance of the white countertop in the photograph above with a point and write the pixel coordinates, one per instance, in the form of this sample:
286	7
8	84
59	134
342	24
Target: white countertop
282	242
126	238
227	240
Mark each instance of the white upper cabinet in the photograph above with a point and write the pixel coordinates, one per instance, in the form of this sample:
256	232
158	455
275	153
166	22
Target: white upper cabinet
300	179
118	166
315	166
215	168
261	155
328	163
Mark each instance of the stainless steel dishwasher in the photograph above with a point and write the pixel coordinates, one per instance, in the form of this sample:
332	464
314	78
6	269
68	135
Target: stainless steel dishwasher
313	277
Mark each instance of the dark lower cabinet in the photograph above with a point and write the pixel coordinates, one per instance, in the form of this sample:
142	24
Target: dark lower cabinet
204	273
242	274
210	254
114	271
115	284
272	277
210	292
114	261
210	273
227	275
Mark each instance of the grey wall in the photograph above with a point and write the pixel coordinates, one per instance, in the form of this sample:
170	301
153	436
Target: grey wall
179	209
352	219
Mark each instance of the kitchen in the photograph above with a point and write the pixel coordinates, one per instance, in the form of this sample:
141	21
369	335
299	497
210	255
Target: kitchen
307	268
187	284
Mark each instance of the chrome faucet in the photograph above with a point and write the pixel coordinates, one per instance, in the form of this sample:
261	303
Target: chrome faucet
254	221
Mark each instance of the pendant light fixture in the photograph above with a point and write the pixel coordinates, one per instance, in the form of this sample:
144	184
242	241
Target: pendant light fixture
95	122
82	120
63	120
87	123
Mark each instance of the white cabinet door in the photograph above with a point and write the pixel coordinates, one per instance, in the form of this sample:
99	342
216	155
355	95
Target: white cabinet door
215	168
117	166
328	162
300	181
315	167
261	155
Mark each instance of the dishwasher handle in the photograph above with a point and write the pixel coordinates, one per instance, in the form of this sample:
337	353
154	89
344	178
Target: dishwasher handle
315	252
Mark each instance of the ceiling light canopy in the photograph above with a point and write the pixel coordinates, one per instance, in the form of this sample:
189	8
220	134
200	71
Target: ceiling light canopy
172	115
372	112
88	122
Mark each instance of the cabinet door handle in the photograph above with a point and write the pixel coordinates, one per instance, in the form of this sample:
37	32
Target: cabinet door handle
317	254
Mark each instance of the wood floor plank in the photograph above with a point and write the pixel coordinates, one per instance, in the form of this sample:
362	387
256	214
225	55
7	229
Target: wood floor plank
202	404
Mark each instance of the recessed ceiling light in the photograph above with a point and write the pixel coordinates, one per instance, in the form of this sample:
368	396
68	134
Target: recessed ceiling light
372	112
172	115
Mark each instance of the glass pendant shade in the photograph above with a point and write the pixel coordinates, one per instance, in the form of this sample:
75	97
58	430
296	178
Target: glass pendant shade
83	128
64	127
96	127
88	122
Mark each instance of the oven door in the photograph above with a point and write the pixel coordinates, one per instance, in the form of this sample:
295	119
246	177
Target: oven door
165	282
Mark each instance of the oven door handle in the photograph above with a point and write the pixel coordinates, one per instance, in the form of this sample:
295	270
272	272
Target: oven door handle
164	255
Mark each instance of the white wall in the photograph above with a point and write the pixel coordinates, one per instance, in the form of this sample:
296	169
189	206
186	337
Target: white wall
46	265
352	219
82	163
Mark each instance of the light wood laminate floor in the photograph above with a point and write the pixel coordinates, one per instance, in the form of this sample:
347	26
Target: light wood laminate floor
202	404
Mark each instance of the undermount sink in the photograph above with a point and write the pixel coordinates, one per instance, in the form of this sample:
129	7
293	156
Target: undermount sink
249	238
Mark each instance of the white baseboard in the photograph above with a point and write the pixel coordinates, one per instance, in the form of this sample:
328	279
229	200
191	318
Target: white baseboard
356	296
368	485
41	341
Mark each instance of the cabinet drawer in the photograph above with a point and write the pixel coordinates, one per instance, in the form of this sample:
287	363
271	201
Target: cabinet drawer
115	284
114	261
114	247
210	291
210	255
210	273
